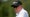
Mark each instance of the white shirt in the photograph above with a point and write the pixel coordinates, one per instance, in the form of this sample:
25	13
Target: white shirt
22	13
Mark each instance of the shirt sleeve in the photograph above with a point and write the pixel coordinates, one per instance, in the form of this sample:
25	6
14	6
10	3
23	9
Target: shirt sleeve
26	15
23	15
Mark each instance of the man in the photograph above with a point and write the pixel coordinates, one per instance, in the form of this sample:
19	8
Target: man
20	11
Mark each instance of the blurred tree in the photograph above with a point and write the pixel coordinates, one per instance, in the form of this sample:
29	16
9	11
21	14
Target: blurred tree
6	8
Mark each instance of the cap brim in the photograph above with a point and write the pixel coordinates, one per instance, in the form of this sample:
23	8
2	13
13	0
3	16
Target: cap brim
14	5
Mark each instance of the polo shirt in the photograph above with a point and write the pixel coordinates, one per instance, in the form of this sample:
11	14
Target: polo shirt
22	13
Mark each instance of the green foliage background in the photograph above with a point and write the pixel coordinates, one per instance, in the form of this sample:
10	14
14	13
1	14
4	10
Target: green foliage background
7	11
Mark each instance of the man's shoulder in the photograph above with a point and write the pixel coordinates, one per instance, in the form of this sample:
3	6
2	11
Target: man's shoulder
25	11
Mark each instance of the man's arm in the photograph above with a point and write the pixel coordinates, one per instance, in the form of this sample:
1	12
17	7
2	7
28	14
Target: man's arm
23	15
26	15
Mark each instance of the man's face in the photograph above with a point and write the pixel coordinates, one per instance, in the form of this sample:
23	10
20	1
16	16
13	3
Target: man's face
18	9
